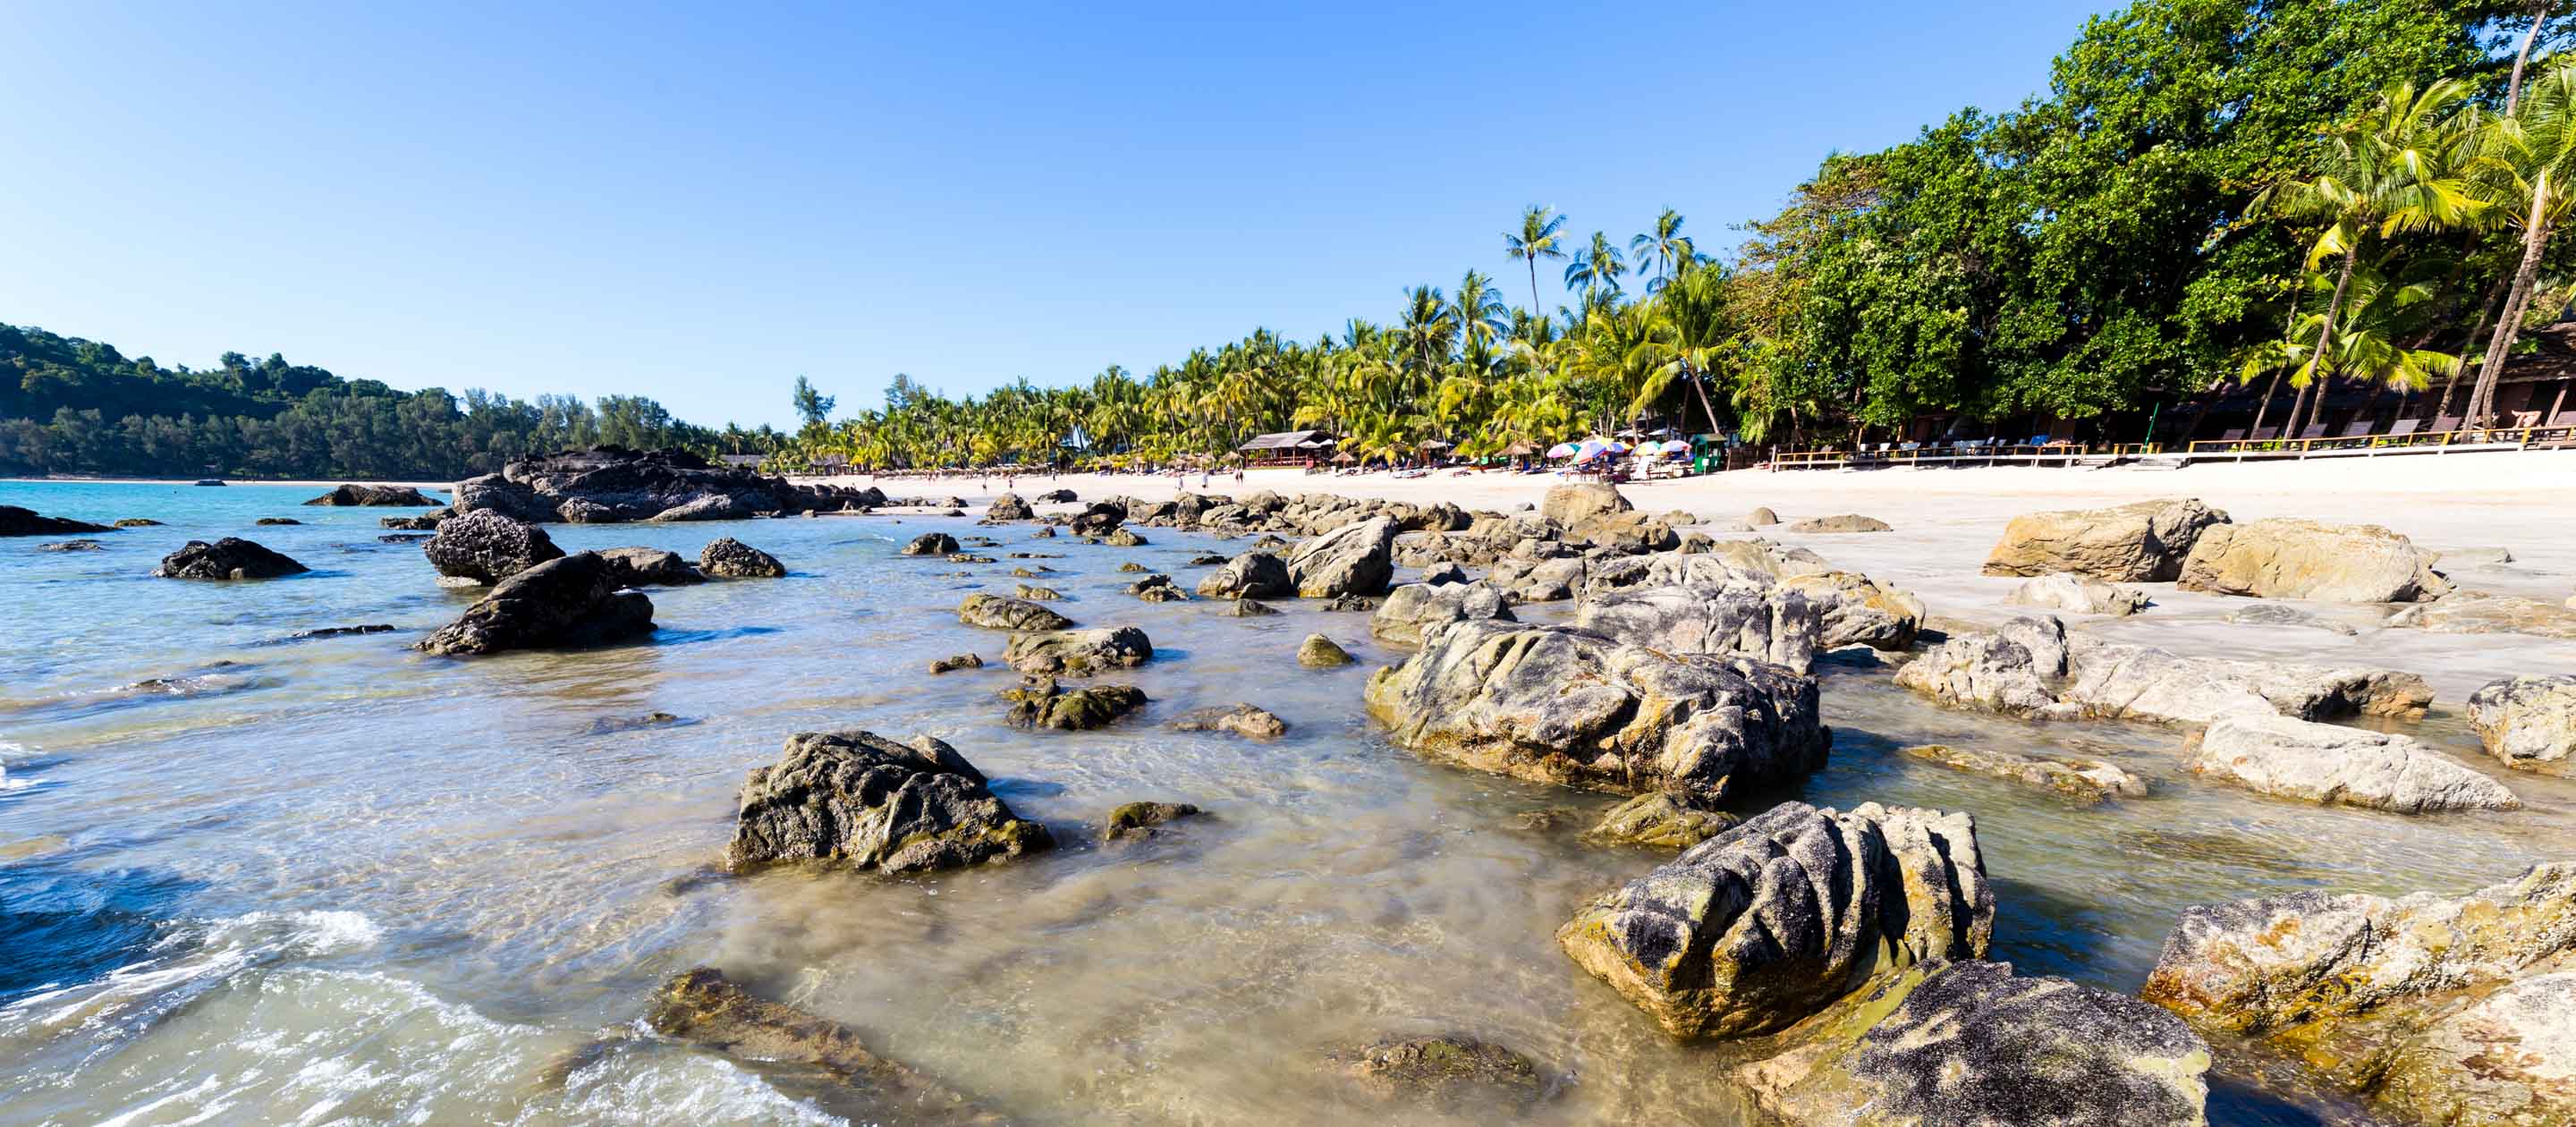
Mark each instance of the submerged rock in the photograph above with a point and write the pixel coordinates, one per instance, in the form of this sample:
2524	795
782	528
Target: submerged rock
276	521
1002	613
488	547
1657	821
1415	610
2078	594
385	495
2449	1011
1157	588
2336	766
2528	722
1247	608
931	544
1563	705
1078	652
2276	614
130	522
2477	612
72	546
2084	780
1355	559
1252	575
1847	522
1036	593
1140	819
1970	1044
728	558
957	662
1240	719
807	1056
1320	652
570	602
1761	926
16	521
2286	558
1450	1070
1040	703
2034	668
1353	603
1124	538
859	799
2145	542
649	567
229	558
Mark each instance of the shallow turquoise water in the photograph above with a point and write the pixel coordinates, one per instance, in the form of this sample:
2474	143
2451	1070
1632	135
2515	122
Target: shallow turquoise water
335	880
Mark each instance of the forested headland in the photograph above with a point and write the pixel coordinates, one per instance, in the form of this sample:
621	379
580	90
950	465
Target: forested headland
2284	199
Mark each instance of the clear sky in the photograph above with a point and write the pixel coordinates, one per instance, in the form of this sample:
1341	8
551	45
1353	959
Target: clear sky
700	202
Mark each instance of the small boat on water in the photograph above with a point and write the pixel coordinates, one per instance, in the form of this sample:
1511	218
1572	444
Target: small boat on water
211	481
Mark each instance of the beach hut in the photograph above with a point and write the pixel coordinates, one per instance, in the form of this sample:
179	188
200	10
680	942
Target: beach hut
1284	446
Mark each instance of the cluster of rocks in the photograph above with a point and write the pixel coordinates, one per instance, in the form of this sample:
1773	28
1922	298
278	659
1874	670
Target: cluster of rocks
2198	548
389	496
485	547
608	484
17	521
567	602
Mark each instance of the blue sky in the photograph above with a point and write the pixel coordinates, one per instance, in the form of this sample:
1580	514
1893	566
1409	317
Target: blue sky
701	202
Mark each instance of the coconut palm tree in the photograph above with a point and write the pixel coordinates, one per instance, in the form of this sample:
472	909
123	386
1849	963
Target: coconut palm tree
2524	161
1665	246
1540	229
1597	269
2395	168
2380	312
1481	315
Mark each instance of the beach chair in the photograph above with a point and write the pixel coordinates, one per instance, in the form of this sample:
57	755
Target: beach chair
2403	428
2317	431
2358	428
2447	424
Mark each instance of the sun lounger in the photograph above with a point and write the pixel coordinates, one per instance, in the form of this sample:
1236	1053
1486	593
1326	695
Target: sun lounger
2359	428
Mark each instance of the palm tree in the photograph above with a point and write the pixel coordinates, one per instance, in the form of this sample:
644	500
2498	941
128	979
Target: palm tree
1537	239
1482	317
2524	161
2380	312
2393	169
1597	268
1665	246
1699	333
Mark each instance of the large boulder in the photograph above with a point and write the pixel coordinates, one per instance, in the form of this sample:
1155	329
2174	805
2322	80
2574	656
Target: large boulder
1414	611
615	483
728	558
1009	506
2335	766
1099	519
1355	559
2076	593
1003	613
229	558
931	544
806	1057
1078	652
1858	610
1252	575
16	521
2441	1011
859	799
1573	504
1565	705
2034	668
1770	922
573	601
1040	702
2528	722
2286	558
711	506
1970	1044
2143	542
649	567
2479	612
386	495
498	494
487	547
1736	620
1845	522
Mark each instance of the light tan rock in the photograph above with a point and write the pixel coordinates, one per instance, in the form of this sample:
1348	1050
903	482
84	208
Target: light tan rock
2287	558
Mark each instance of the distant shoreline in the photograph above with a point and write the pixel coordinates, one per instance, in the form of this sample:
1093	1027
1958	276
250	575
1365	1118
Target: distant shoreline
324	483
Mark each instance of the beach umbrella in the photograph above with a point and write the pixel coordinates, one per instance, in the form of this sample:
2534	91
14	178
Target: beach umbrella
1344	456
1436	444
1563	450
1519	450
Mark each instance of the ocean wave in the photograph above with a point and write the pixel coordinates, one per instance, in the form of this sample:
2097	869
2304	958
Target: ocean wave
190	958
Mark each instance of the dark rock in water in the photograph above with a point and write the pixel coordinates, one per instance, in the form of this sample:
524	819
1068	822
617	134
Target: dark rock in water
1046	533
803	1055
1139	819
612	725
340	631
1241	719
573	601
1355	559
210	482
1157	588
1770	922
1040	703
498	494
1442	573
403	537
1078	652
384	495
273	521
1247	608
1057	497
612	483
138	522
1124	538
1320	652
931	544
649	567
15	521
968	558
1037	594
1252	575
1968	1044
1008	506
1002	613
1131	567
1657	821
1038	556
960	661
859	799
1100	519
72	546
488	547
1561	705
228	558
1450	1070
425	522
713	506
728	558
1351	603
1206	560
